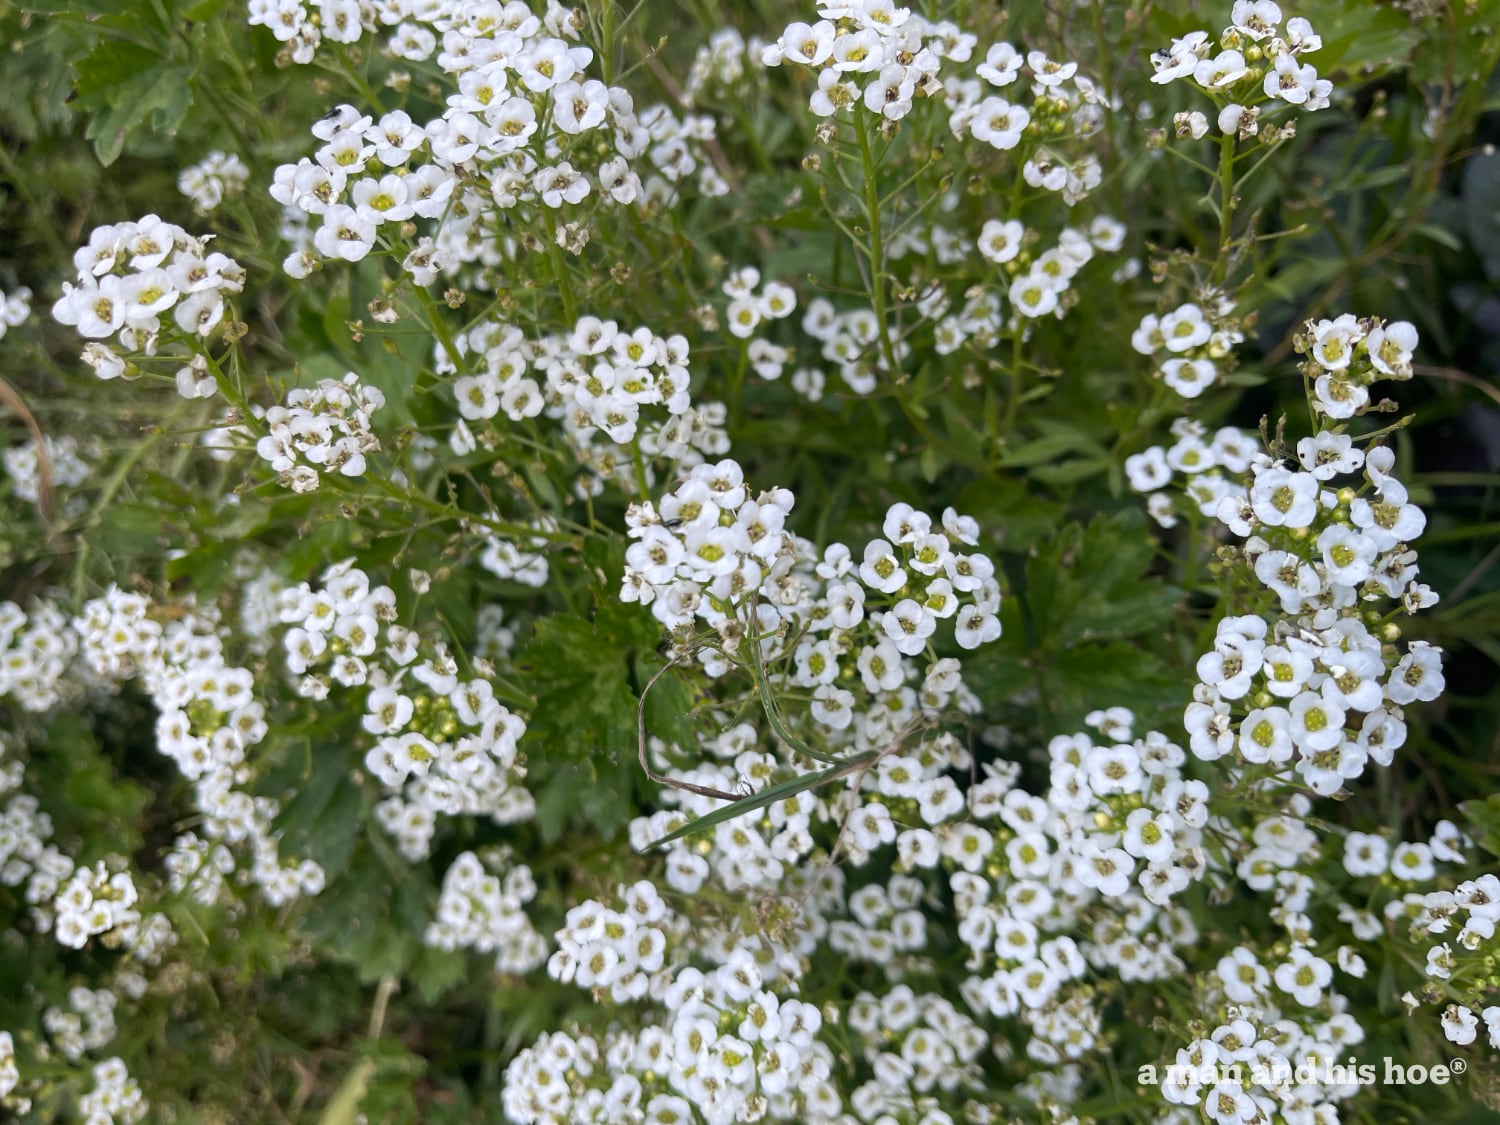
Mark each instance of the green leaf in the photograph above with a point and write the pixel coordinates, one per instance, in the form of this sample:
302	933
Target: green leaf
1483	822
1068	472
584	702
84	792
668	706
1090	583
435	972
1360	40
323	819
1092	676
127	530
373	916
1481	197
124	86
768	796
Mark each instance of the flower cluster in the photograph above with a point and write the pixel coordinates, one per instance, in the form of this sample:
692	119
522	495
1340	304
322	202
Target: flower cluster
601	382
851	341
875	55
95	901
616	952
441	744
525	127
1202	462
321	429
915	1044
720	64
709	549
1345	355
1319	692
482	912
1040	285
215	178
1244	1068
728	1048
15	308
36	650
131	275
1064	104
1464	961
87	1024
10	1074
745	854
413	29
115	1098
66	455
208	720
1195	339
747	309
1257	64
870	53
196	867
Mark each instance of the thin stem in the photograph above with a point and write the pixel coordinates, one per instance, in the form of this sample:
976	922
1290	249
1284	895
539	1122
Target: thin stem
877	242
1226	208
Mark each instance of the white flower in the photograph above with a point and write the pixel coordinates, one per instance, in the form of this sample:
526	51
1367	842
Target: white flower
1390	348
1290	81
833	706
1238	120
998	123
1181	58
1303	976
1225	69
1256	18
1266	736
1365	854
1412	863
1188	377
1001	66
1316	723
1033	295
1000	242
1282	498
975	627
909	624
1460	1024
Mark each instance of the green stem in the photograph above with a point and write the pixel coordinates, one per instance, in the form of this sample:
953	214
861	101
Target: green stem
1013	402
877	242
1226	208
640	467
439	327
560	268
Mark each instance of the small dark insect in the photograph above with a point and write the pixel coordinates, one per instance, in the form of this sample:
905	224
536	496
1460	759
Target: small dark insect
672	524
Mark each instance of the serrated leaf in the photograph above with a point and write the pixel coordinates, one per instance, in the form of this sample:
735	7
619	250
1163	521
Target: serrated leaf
436	971
123	86
323	819
1360	40
1090	583
584	702
1079	679
126	530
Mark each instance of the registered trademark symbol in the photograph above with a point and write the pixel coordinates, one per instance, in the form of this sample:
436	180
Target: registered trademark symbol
1458	1066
